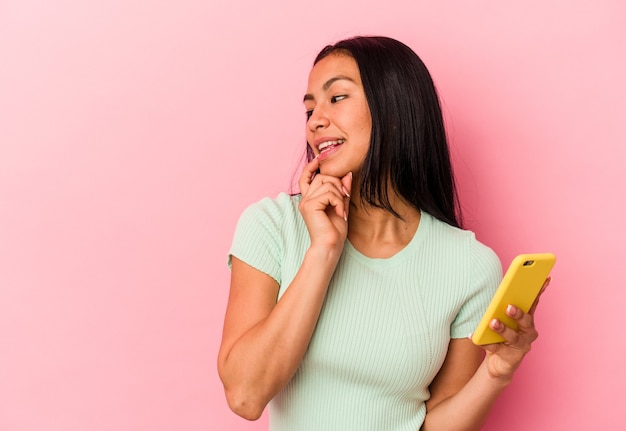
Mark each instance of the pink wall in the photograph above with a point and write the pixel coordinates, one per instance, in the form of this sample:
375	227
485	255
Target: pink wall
133	133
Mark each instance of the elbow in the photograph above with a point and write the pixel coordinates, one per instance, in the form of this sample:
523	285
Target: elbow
244	399
244	405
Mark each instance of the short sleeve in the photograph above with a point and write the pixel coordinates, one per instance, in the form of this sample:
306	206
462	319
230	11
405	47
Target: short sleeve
257	238
486	273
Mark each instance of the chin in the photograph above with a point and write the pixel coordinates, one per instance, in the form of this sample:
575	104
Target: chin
339	170
333	171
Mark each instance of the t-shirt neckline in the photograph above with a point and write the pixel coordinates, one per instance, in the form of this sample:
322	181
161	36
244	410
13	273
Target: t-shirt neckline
420	233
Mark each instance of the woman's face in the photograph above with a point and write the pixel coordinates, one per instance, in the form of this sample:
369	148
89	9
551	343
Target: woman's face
339	122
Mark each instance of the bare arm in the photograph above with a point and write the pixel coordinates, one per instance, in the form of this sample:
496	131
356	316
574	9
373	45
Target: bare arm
463	393
465	389
264	341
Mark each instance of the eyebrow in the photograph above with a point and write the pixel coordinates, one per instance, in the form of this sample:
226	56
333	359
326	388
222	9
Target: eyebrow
327	85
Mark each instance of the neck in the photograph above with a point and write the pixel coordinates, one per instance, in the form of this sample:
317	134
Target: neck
378	233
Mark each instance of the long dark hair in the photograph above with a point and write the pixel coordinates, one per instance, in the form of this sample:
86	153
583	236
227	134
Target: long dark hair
408	147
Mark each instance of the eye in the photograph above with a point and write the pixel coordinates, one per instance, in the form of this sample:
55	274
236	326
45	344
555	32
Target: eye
309	113
336	99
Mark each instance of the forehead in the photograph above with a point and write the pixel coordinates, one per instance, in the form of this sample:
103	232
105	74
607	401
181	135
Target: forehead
331	66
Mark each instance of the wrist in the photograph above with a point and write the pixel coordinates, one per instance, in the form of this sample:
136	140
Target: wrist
325	254
496	380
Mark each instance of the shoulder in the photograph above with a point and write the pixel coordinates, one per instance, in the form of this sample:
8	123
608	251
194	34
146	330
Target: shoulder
272	220
450	235
271	210
463	244
264	231
280	205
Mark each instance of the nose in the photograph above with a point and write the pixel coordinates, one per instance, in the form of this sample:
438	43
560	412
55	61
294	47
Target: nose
318	119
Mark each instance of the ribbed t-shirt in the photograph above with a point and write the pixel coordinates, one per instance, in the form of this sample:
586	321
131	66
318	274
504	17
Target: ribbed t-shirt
385	325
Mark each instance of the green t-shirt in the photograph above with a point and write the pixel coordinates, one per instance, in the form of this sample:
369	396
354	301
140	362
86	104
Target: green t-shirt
385	326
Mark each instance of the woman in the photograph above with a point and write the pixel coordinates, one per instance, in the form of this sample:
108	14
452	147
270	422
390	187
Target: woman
351	303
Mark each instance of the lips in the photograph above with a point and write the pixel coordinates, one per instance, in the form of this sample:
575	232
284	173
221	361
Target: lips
329	145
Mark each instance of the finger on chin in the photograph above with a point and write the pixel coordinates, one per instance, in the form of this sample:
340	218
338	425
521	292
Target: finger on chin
308	173
346	182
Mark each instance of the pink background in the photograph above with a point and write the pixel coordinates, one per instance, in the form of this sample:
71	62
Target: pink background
133	133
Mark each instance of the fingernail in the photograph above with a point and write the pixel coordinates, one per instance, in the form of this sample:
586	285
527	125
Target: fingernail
495	324
350	174
510	310
345	216
345	191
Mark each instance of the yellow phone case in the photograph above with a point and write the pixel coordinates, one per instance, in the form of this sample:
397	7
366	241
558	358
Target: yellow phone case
520	287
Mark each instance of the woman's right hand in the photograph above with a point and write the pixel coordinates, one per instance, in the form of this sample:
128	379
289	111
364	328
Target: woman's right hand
324	206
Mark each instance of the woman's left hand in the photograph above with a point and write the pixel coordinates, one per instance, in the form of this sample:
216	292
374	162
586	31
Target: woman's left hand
504	358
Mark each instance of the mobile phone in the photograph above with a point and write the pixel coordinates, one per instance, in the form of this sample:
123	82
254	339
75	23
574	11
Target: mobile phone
519	287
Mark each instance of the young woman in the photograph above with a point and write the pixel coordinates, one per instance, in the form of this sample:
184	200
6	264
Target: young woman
351	303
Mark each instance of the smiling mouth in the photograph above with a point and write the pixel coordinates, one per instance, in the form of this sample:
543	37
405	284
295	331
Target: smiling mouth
328	145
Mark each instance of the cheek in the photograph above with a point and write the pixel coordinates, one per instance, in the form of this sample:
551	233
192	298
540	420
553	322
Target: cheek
308	135
366	128
366	121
